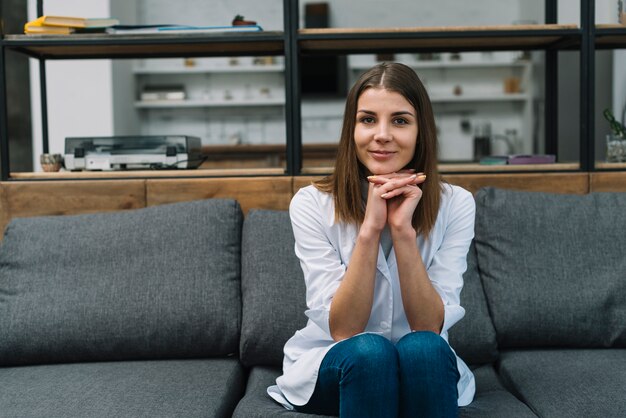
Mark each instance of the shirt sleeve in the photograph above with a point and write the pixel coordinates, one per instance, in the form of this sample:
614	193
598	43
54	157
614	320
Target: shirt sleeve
450	260
320	261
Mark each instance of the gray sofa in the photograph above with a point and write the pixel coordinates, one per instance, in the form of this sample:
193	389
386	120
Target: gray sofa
182	310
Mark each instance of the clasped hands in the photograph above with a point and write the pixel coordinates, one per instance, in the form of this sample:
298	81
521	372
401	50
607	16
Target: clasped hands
392	199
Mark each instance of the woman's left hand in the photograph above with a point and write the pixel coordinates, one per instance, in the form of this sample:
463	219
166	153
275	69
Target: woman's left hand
402	194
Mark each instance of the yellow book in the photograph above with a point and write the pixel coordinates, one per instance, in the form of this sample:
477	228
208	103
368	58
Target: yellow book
74	22
40	29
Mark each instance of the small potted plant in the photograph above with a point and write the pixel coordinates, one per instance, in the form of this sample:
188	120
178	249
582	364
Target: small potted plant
239	20
616	140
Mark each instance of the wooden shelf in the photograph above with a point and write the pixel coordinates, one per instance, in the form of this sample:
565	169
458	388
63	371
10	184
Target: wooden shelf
448	38
133	174
608	166
476	168
147	45
610	36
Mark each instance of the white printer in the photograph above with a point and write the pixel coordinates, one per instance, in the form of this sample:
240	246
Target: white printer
132	152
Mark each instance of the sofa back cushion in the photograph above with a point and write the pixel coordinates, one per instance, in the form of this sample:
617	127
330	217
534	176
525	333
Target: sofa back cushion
553	267
273	292
159	282
474	337
272	288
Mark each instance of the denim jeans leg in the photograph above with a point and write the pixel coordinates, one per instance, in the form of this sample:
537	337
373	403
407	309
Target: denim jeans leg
428	376
357	378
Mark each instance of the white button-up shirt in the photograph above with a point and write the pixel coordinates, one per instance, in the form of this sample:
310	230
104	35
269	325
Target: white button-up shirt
325	247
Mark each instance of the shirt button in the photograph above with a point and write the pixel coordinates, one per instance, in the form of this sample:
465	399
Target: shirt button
384	325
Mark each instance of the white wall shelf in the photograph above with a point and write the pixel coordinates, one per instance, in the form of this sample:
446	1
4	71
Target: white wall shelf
273	68
162	104
438	64
463	98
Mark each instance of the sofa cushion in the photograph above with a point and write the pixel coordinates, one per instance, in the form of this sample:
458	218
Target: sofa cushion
163	388
568	383
272	288
492	400
474	338
159	282
553	267
256	403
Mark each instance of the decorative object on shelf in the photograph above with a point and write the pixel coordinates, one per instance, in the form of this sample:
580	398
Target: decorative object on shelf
428	56
616	140
532	159
615	149
265	92
51	162
482	140
385	57
239	20
458	90
162	92
235	138
512	85
268	60
189	62
455	56
233	61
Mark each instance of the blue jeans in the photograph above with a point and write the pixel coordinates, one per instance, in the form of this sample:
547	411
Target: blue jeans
367	376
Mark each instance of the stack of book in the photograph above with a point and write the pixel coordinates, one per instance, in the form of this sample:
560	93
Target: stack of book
65	25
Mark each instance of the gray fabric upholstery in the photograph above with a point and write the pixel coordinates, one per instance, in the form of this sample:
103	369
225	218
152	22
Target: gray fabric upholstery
568	383
492	399
256	403
553	268
474	338
159	282
272	288
166	388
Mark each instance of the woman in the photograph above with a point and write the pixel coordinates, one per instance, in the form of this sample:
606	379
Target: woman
382	243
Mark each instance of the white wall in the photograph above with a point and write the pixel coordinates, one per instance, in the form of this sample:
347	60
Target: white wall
79	91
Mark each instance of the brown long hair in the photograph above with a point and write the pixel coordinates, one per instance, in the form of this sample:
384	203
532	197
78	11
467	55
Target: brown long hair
345	182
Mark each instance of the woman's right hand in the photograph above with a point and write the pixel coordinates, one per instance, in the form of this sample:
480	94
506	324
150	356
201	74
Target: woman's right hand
375	209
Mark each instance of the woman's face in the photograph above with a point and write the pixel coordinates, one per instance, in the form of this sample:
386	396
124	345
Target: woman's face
386	130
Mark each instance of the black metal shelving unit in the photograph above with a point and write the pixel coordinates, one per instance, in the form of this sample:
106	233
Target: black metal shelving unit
293	43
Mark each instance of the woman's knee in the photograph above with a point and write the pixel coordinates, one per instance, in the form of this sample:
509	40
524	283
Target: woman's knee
371	351
424	345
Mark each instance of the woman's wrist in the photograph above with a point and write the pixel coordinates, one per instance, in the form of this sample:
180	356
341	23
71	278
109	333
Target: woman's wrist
369	234
403	233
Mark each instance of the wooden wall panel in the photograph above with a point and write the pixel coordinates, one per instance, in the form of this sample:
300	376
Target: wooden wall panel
608	182
4	210
73	197
303	181
570	183
250	192
573	183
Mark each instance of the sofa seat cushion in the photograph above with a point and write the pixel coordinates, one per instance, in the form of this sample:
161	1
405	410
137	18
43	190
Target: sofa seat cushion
491	401
568	383
153	283
164	388
256	403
